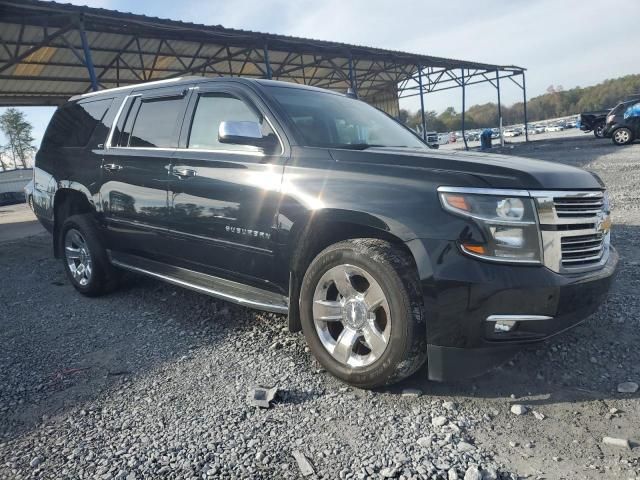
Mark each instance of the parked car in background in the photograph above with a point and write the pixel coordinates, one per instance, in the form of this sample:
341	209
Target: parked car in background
512	132
554	128
12	183
28	194
443	138
594	121
473	137
495	133
301	201
623	123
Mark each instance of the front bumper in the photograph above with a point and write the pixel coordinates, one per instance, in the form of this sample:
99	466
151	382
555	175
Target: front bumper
461	293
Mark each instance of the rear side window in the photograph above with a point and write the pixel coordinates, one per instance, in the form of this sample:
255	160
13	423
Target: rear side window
156	123
73	124
213	109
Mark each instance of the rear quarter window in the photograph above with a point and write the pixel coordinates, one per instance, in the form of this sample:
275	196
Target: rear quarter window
73	125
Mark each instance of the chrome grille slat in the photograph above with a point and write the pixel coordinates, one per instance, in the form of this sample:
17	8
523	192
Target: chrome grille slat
563	204
566	251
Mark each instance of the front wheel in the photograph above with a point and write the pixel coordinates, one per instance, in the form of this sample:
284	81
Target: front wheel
598	130
362	312
622	136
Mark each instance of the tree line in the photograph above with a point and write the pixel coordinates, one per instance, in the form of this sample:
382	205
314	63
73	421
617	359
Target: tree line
556	102
17	130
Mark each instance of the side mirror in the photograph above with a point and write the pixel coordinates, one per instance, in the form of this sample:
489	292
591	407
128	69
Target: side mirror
243	133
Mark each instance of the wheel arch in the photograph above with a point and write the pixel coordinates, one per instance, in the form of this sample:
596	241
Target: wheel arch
309	236
68	200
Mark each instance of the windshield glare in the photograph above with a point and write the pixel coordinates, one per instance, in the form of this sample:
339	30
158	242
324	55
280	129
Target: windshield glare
334	121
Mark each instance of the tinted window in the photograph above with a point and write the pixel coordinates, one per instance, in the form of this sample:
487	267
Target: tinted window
213	109
73	124
330	120
156	123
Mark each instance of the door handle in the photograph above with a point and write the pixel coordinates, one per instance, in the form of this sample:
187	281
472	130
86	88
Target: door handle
112	167
182	172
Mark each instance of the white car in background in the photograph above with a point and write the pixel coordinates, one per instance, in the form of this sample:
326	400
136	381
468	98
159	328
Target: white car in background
512	132
554	128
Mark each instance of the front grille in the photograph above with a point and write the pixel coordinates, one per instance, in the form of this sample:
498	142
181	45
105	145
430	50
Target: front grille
575	229
582	249
578	207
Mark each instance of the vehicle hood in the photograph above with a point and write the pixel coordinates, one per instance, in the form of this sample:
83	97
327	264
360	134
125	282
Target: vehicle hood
489	170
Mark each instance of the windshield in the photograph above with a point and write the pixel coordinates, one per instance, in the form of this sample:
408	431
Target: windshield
333	121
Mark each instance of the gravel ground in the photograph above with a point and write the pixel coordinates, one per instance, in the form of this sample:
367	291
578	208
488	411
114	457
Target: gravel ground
152	382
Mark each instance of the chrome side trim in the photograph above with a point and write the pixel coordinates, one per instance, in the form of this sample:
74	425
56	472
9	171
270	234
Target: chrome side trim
517	318
136	224
279	305
241	246
125	87
107	144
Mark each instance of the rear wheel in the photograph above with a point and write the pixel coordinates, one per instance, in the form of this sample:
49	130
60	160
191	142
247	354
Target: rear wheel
598	130
85	259
622	136
362	313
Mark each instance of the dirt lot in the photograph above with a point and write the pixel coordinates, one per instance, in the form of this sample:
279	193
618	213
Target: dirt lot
151	381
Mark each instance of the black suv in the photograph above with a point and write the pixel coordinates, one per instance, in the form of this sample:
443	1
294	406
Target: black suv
305	202
623	122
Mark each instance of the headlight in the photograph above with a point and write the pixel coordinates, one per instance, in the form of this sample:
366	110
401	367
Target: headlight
508	221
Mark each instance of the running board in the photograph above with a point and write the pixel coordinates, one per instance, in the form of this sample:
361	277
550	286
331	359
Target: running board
221	288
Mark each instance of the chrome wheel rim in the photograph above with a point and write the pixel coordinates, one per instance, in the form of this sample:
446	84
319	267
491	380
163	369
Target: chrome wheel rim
621	136
78	256
351	315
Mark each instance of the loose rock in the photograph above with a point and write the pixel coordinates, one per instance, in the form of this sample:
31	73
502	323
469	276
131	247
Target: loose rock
628	387
304	465
517	409
473	473
616	442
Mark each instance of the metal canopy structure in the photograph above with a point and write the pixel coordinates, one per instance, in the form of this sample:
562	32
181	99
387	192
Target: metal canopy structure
51	51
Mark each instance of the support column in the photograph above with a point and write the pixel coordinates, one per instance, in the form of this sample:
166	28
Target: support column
524	97
266	61
499	107
352	78
87	57
464	106
424	120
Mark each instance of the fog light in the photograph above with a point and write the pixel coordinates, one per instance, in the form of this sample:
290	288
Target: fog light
504	325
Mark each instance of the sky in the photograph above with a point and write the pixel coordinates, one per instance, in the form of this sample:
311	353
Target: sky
560	42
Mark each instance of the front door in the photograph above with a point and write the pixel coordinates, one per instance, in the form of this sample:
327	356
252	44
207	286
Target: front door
135	172
224	198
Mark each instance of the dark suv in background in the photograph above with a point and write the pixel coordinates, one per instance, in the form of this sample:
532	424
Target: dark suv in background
305	202
623	122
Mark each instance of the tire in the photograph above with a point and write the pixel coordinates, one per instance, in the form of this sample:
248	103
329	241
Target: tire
365	341
598	130
91	274
622	136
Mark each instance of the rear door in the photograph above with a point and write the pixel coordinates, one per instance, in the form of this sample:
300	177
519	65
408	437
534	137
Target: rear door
135	171
632	118
225	197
